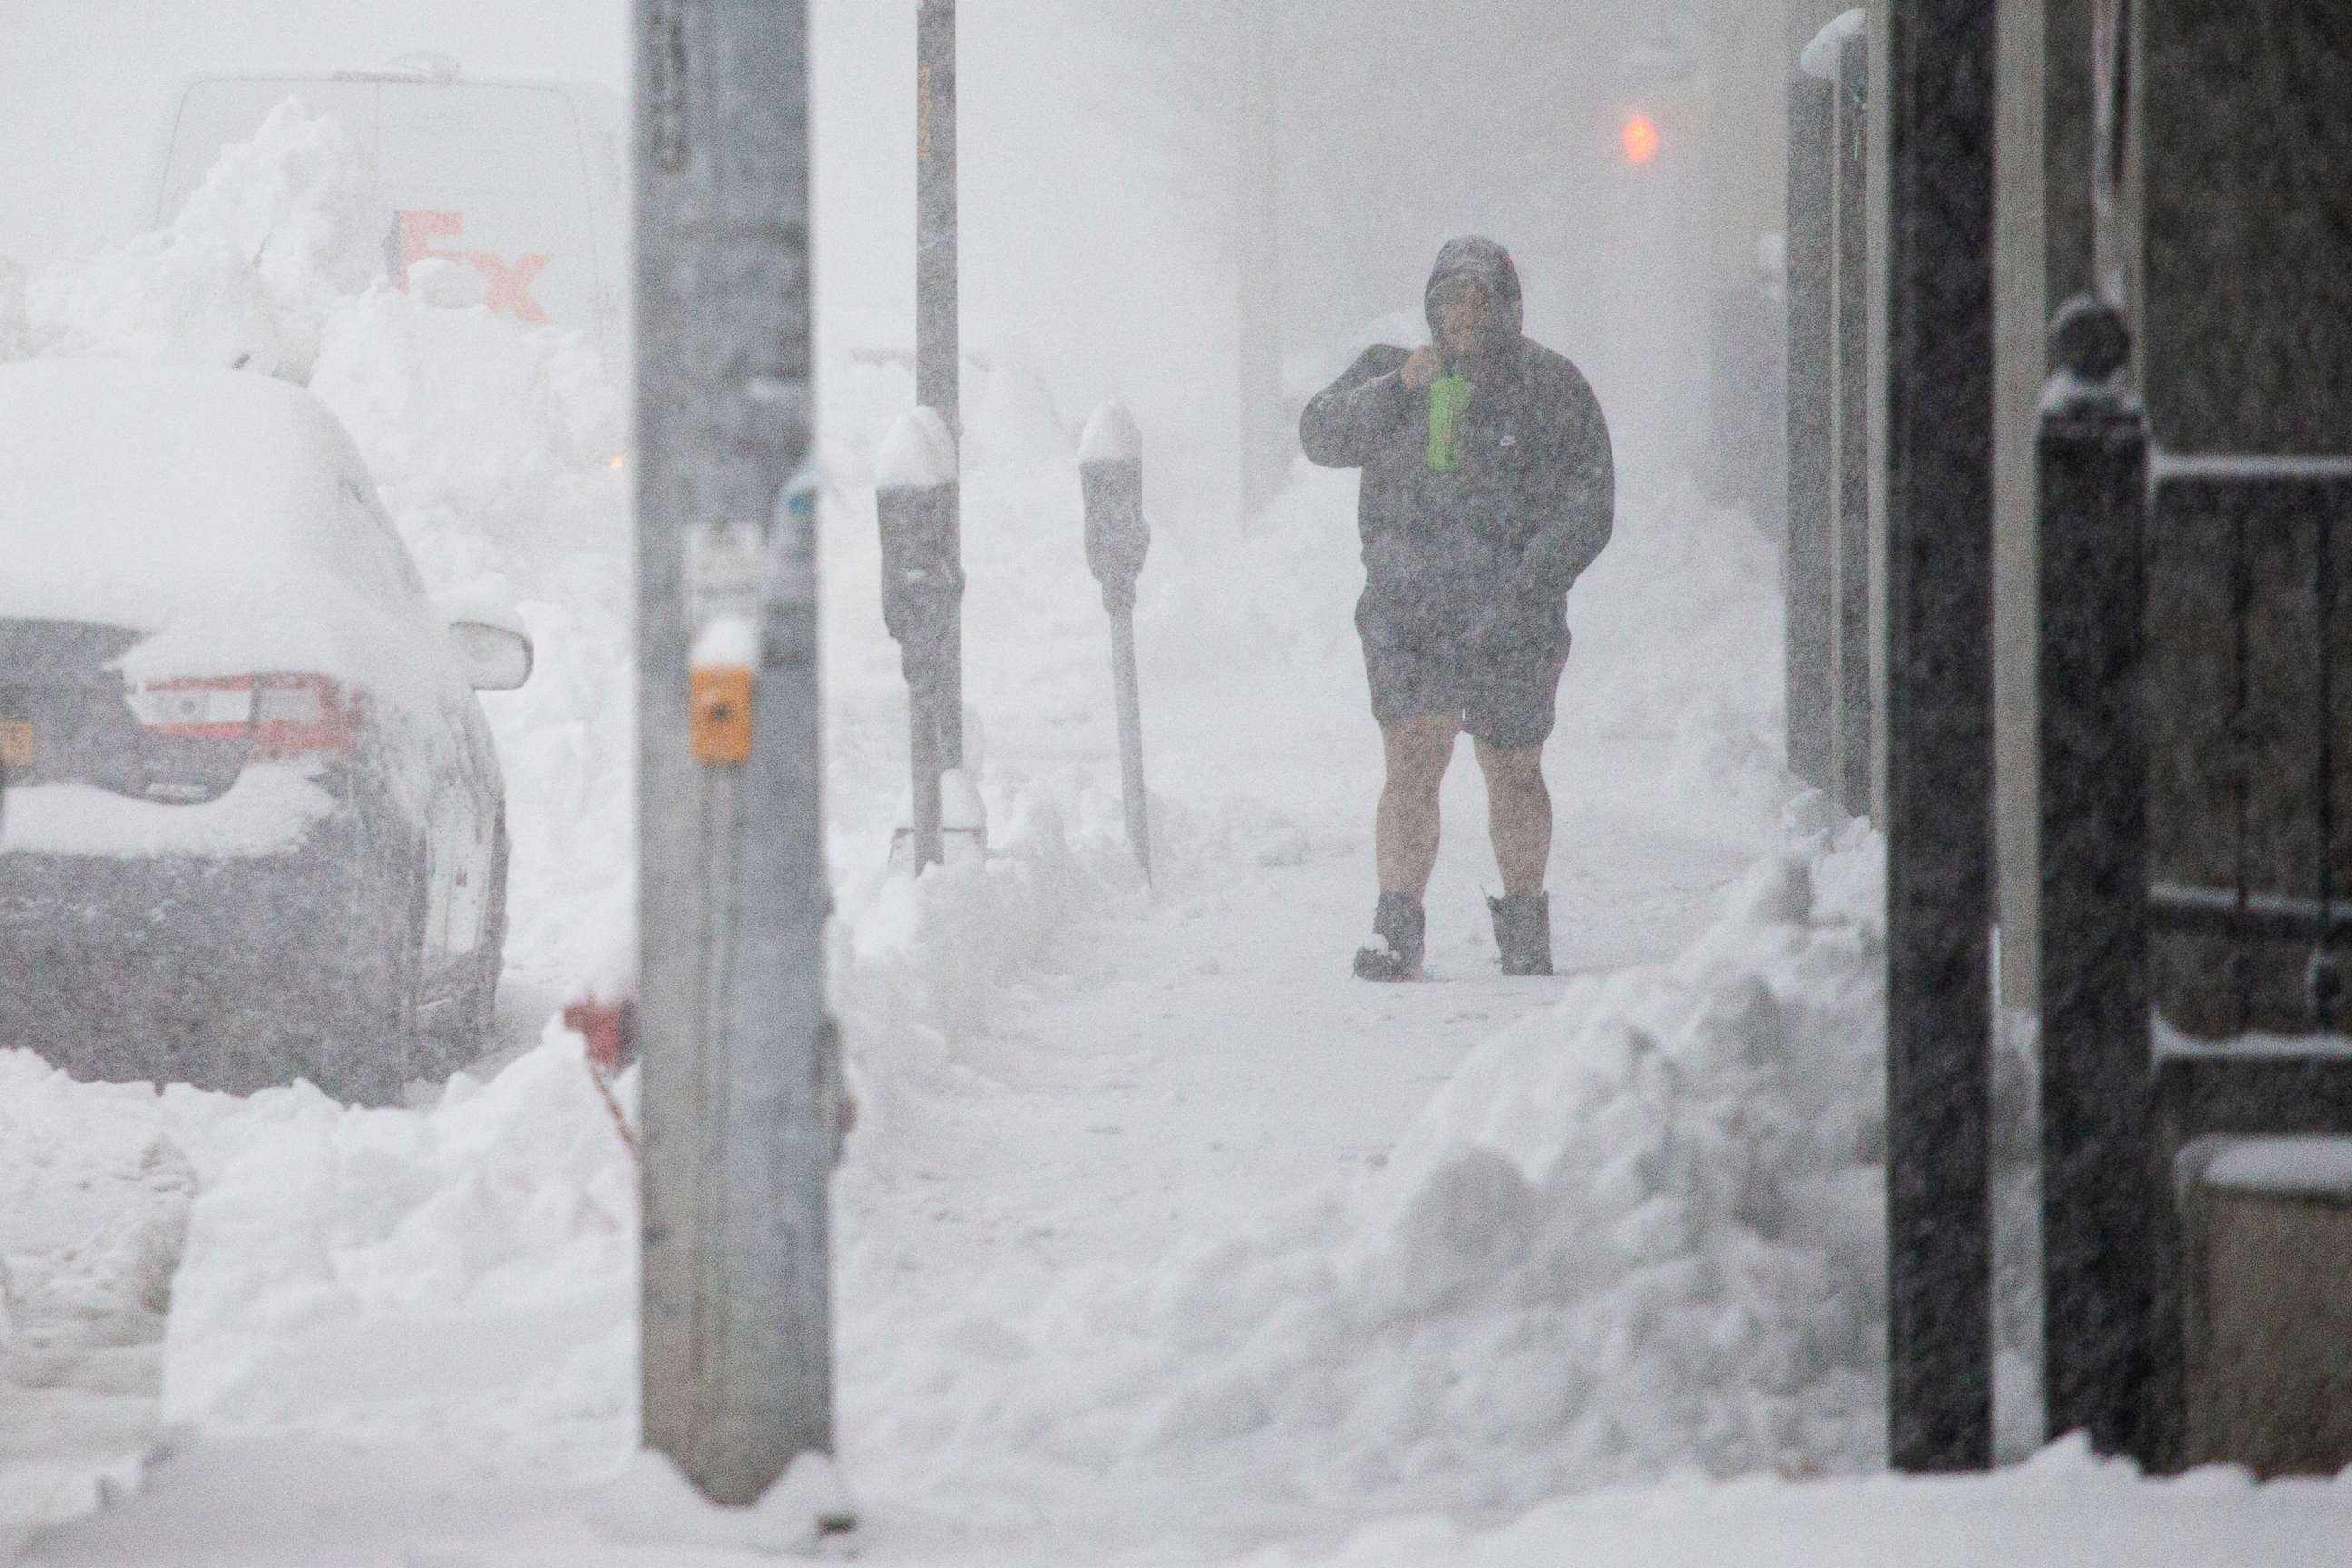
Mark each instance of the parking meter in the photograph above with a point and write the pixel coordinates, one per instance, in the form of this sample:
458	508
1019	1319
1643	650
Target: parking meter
917	508
1110	470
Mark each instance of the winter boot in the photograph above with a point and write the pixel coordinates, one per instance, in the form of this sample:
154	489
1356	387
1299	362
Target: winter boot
1523	930
1395	952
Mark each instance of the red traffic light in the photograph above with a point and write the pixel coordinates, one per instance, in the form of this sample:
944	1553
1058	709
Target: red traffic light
1641	139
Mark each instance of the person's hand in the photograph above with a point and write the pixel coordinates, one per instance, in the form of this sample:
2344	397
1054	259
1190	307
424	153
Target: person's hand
1422	368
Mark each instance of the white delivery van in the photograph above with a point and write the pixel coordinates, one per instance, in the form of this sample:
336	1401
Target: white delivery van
521	181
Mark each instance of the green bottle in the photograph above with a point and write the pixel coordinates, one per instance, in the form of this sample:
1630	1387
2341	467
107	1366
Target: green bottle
1449	400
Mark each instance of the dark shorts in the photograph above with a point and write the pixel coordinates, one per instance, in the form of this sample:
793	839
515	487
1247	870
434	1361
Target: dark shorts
1504	689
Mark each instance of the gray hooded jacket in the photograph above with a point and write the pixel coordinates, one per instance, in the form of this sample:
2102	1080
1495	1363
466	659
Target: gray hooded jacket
1486	552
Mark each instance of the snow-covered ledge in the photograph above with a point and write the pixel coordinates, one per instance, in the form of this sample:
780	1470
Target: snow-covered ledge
2304	1167
1820	58
2268	1223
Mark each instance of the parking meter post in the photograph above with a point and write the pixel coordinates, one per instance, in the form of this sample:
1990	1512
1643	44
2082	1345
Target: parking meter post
1131	736
737	1124
1110	470
917	508
926	757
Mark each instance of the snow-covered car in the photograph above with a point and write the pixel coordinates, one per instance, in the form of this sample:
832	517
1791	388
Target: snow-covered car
253	825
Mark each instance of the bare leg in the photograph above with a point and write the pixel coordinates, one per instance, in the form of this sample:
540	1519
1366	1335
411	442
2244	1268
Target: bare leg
1518	813
1405	832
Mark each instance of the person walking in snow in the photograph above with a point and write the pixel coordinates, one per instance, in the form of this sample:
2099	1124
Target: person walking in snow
1488	487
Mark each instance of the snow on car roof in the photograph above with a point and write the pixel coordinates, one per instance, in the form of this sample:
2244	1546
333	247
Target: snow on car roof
207	506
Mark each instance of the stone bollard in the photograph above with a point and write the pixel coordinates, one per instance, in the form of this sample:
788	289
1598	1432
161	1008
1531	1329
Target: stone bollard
922	595
1111	467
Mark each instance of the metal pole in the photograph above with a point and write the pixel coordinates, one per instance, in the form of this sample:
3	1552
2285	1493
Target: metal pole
1131	736
1939	732
1857	715
1265	431
740	1107
1811	584
2102	1185
938	350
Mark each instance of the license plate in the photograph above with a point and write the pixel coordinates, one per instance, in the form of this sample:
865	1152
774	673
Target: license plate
16	743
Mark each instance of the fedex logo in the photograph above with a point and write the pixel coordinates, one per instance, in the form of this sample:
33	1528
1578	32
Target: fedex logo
415	231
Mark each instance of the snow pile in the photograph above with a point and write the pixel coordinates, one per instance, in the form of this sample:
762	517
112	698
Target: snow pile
463	1271
95	1185
1657	1210
248	274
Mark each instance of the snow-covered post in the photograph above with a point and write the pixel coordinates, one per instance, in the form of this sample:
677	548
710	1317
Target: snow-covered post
2101	1182
1810	571
1939	840
740	1128
1111	467
915	502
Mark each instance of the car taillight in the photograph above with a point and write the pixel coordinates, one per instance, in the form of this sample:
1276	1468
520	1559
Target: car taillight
302	716
194	709
275	715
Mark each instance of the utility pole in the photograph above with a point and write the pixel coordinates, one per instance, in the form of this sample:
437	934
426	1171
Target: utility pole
1264	432
740	1069
938	311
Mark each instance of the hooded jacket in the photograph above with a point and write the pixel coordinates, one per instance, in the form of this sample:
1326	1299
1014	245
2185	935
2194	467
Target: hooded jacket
1486	544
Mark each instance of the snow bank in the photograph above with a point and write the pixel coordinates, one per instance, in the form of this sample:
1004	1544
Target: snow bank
468	1269
2062	1509
462	1270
